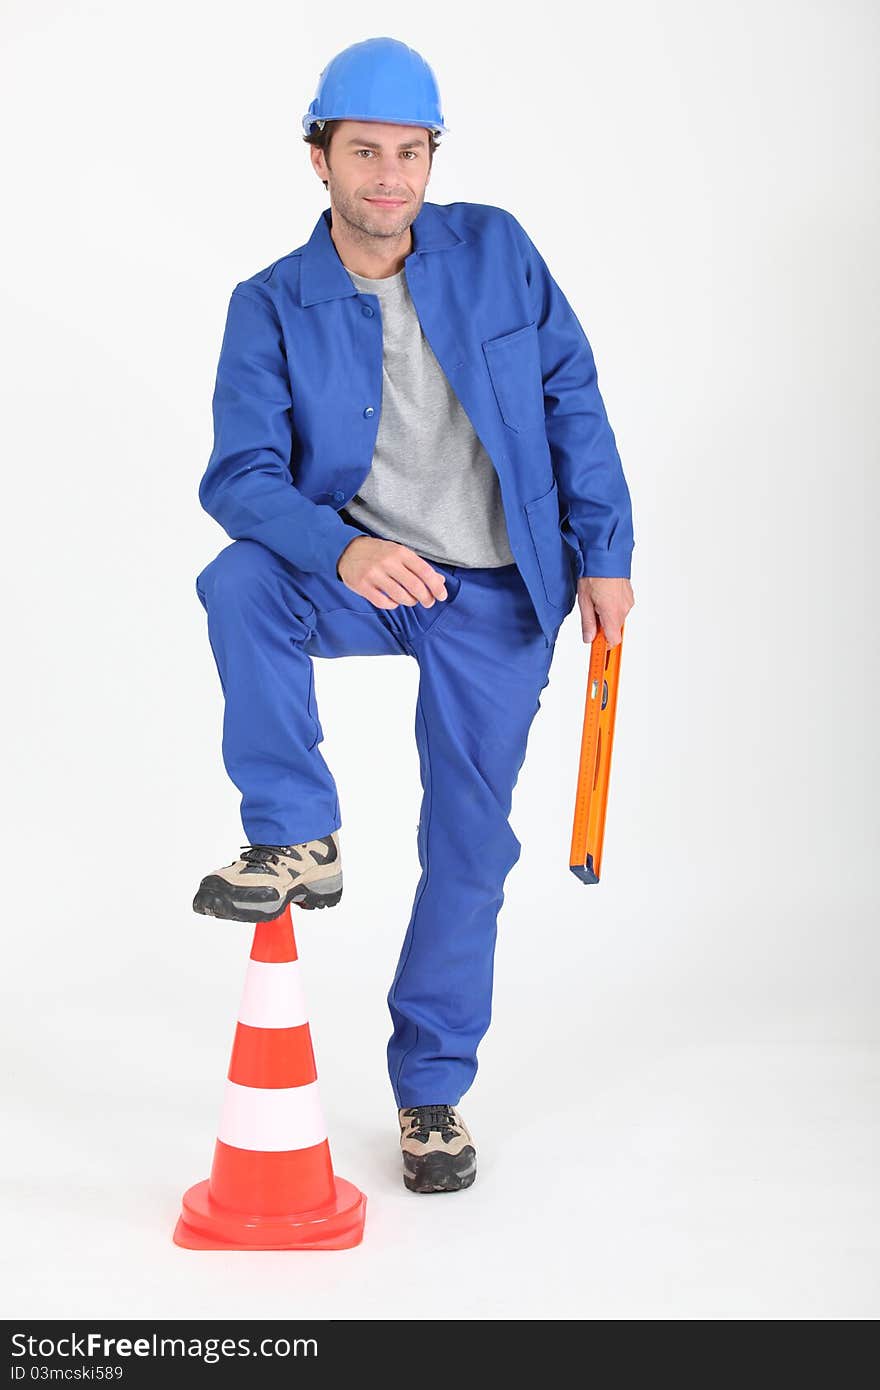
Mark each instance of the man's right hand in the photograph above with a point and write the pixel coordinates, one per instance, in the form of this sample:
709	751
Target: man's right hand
389	574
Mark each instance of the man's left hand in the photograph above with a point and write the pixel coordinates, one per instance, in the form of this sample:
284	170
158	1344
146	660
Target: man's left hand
604	603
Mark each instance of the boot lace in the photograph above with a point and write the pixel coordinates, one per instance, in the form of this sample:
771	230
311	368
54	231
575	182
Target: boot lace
430	1118
264	854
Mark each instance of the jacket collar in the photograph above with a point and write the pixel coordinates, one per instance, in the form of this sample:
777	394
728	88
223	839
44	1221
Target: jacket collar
323	276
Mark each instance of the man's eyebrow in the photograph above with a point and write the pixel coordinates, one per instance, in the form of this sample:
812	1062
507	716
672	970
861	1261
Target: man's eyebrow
371	144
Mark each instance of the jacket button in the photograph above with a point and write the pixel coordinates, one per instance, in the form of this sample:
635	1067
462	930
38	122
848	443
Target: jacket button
368	411
367	311
339	497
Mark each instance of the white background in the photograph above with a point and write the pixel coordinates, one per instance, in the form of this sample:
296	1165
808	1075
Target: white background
676	1108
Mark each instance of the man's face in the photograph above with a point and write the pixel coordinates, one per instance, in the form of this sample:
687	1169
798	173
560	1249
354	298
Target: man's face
377	175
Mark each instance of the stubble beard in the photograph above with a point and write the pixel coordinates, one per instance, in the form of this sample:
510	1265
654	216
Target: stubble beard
355	213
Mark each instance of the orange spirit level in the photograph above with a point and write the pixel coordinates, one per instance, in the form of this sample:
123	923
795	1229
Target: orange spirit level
591	796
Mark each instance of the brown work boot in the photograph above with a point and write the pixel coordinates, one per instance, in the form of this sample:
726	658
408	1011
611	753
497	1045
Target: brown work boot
267	878
438	1151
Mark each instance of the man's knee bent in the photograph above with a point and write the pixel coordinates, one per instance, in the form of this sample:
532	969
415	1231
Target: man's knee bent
235	571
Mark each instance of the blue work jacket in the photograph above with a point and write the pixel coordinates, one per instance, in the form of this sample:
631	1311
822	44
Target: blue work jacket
298	397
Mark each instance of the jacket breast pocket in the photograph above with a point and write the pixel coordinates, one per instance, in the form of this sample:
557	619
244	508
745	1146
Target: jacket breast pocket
514	363
554	556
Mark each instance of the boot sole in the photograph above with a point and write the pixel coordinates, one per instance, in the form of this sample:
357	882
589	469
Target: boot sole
216	898
440	1172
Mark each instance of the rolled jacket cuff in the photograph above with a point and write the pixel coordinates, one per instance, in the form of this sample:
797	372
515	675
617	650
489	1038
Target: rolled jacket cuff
605	564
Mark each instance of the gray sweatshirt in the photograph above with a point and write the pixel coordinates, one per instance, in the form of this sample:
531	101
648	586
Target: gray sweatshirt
431	486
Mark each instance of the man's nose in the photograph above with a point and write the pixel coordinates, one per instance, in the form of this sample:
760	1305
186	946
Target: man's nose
389	172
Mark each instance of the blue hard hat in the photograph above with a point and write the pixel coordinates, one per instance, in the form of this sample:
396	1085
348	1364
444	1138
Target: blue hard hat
377	80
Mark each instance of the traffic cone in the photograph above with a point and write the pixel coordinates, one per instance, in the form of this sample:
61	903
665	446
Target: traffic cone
272	1185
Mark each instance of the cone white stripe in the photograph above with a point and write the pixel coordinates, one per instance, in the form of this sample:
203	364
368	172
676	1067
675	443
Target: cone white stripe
287	1117
273	995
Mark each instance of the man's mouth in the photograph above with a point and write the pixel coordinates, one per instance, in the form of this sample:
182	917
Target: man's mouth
387	202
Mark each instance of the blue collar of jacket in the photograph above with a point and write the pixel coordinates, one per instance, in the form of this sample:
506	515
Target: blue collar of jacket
323	275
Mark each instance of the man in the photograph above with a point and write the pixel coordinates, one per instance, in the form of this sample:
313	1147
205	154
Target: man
412	457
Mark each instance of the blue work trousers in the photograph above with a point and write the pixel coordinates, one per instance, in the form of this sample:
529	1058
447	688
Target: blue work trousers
483	663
